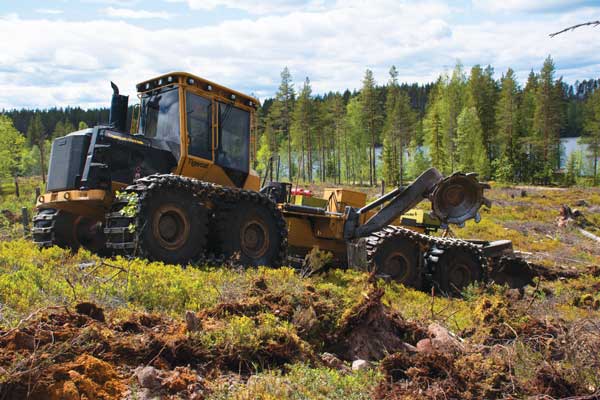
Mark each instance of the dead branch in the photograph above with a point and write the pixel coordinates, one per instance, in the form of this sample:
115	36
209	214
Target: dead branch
572	28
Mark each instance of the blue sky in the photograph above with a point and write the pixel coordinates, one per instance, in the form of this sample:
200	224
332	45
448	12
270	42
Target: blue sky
65	52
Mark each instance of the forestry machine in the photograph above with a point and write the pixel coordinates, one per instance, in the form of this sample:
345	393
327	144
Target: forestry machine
177	187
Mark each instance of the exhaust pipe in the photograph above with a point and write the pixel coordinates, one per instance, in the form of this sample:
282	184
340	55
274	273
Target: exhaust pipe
118	110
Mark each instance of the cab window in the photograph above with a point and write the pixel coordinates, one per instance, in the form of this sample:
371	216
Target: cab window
160	117
199	125
234	138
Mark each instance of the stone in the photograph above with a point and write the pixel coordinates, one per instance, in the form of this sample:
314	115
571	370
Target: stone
332	361
148	377
440	339
358	365
192	323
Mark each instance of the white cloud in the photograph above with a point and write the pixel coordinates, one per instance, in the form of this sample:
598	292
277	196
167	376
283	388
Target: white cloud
529	5
68	62
49	11
136	14
256	6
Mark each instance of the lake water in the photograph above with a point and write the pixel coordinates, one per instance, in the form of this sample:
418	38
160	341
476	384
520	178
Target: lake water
568	144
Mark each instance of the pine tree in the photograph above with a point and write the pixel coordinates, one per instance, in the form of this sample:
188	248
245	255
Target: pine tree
281	114
370	119
591	135
302	130
338	114
526	156
472	154
507	120
547	122
398	130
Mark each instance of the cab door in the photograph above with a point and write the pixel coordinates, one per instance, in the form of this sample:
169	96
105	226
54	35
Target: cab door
199	126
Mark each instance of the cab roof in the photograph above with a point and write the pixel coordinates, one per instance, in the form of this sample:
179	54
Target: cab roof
204	84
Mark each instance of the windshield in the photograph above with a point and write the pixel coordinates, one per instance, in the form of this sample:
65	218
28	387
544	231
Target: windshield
160	118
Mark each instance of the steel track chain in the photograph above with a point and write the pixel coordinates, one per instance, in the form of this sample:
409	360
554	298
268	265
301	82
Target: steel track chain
427	243
121	239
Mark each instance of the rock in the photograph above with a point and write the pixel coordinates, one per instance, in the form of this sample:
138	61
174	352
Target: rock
148	377
441	339
332	361
358	365
192	323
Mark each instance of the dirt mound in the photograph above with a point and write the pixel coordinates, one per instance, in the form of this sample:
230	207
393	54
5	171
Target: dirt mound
444	376
370	330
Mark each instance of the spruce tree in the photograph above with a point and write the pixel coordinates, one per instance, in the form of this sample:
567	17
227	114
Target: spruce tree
433	129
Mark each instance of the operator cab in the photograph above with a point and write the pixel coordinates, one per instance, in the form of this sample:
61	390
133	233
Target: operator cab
207	127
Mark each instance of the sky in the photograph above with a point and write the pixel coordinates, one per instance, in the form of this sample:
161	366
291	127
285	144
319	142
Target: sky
65	53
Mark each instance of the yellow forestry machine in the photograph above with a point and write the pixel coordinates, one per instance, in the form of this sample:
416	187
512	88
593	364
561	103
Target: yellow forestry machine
178	187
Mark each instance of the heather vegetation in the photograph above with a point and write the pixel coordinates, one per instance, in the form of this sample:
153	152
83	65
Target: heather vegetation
82	325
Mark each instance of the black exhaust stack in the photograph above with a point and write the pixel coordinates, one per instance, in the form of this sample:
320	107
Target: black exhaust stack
118	110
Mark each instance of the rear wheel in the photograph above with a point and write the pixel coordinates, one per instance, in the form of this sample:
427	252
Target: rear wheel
174	227
456	269
397	258
251	233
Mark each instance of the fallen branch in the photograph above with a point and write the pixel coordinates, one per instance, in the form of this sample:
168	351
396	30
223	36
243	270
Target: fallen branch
572	28
589	235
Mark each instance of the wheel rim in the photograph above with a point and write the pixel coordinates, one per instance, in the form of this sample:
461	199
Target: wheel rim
459	276
254	238
86	234
170	227
397	265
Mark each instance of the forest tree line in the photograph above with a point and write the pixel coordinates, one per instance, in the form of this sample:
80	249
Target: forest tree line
466	120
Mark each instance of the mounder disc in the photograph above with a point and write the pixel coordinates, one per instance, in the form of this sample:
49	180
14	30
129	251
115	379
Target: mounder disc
458	198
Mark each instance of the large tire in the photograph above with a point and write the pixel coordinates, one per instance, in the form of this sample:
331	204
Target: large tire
68	230
251	233
173	227
397	258
456	269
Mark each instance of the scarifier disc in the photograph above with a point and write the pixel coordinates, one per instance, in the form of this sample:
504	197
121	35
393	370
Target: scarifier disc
458	198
